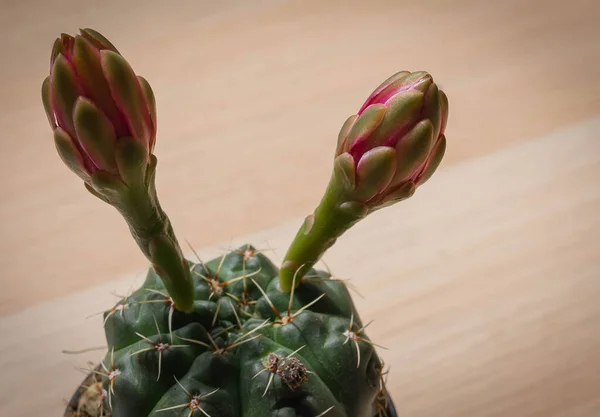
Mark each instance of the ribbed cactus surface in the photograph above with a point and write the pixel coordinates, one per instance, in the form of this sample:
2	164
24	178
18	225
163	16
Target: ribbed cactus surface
246	350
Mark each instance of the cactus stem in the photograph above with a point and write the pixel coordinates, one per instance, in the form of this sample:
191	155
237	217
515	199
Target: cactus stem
151	229
326	411
335	214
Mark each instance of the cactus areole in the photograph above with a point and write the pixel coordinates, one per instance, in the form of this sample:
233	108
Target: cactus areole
236	336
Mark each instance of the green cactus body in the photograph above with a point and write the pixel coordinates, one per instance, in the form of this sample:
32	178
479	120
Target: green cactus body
244	350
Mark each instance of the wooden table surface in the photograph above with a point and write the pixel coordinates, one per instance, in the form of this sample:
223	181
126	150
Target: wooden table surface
485	286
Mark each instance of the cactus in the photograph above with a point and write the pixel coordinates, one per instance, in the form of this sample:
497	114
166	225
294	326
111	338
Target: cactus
236	336
247	349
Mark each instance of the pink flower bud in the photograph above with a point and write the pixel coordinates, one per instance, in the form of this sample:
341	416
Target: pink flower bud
407	115
94	100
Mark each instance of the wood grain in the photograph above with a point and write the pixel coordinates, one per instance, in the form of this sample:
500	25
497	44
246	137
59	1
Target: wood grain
251	96
487	298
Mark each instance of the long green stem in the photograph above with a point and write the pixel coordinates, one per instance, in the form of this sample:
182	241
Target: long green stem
152	230
330	220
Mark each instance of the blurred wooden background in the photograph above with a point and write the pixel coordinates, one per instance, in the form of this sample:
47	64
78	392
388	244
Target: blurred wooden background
495	263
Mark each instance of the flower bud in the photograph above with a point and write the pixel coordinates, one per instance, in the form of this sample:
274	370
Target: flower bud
397	137
93	101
